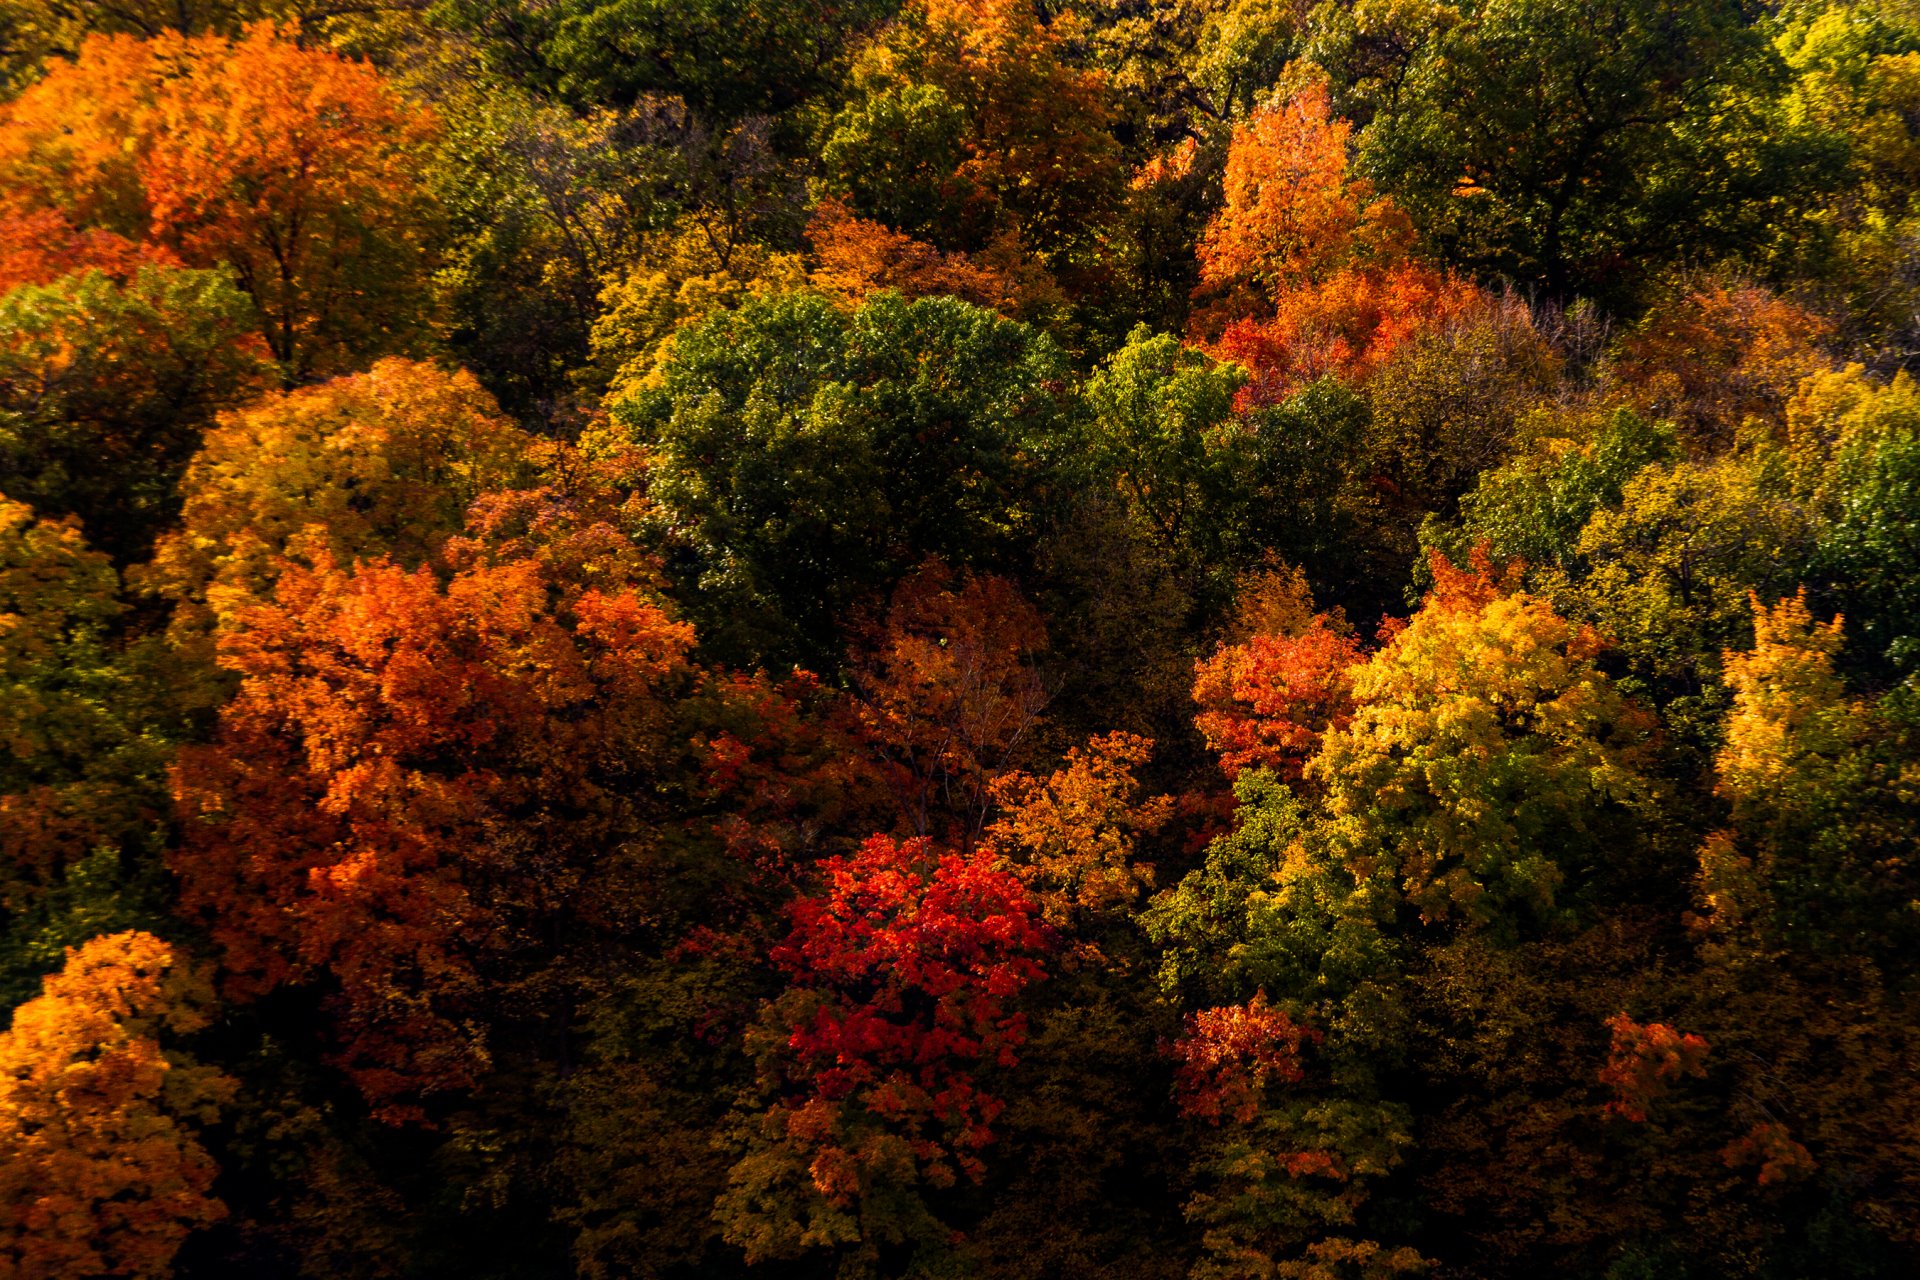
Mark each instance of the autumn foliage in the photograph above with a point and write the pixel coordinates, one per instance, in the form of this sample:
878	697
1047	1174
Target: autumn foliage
1230	1055
1646	1062
948	695
904	972
919	639
101	1170
1306	272
290	166
351	818
1264	703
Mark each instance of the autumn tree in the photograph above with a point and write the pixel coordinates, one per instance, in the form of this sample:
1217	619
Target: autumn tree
384	462
858	257
873	1065
1459	809
294	168
1304	271
681	279
1291	213
105	387
965	121
1265	702
401	743
1804	926
1073	837
1486	755
947	698
103	1171
1717	355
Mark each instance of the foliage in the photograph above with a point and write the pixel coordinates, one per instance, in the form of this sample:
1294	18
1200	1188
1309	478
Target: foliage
103	1171
394	740
807	458
292	167
106	386
903	639
83	752
901	976
384	462
964	121
1555	140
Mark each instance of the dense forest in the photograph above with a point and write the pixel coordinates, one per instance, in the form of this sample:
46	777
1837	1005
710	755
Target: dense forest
1236	639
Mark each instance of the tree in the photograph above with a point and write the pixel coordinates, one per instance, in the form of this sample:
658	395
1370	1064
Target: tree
1264	703
1808	771
105	387
1309	274
859	257
726	59
1716	355
806	458
1071	837
903	973
1855	449
295	168
1534	506
1562	143
965	120
381	463
424	775
1291	213
101	1172
83	753
947	698
1162	432
1487	757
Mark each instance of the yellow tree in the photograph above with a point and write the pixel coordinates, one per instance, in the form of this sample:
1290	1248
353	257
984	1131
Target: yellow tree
100	1170
1484	753
377	463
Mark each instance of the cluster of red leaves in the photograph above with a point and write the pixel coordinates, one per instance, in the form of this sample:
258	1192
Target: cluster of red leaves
391	731
1265	703
1346	326
1473	587
782	763
1229	1055
1645	1062
910	958
41	246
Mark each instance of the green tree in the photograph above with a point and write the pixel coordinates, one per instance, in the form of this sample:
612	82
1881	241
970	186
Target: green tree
806	457
1163	433
106	387
1562	142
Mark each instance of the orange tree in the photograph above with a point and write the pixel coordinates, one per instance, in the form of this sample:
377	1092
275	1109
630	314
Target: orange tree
429	789
294	168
